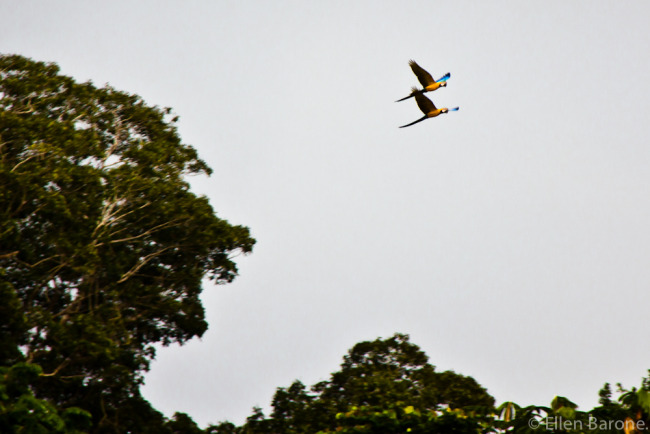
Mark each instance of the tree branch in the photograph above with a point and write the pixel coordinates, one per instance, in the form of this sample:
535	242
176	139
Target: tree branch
142	263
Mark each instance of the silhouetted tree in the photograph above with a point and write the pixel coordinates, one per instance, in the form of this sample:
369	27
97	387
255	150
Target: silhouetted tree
103	247
382	384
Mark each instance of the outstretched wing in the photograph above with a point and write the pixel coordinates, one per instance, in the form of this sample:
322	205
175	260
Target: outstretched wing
444	77
423	76
425	104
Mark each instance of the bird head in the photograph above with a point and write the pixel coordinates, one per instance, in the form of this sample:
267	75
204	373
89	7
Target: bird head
443	84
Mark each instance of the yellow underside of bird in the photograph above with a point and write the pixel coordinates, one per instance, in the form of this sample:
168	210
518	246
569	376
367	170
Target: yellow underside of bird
434	86
435	113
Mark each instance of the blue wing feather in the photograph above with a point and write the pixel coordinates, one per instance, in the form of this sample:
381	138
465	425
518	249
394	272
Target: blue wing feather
444	77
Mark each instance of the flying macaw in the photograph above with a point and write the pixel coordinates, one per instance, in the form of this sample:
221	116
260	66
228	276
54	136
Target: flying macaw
428	83
428	108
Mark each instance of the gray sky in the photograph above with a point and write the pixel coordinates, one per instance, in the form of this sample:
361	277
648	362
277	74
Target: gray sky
510	239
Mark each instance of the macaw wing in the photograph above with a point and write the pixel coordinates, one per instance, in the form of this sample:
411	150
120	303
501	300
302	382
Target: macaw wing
425	104
423	76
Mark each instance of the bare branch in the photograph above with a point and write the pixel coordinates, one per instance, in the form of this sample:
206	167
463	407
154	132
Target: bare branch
22	162
110	217
56	371
116	140
148	232
9	255
142	263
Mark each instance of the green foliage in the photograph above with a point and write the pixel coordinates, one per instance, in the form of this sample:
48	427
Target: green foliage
222	428
563	407
396	371
21	411
181	423
388	386
627	414
292	409
13	324
605	395
507	411
103	247
405	420
384	385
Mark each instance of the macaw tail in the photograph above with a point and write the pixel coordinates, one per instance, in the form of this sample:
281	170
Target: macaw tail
406	97
415	122
414	91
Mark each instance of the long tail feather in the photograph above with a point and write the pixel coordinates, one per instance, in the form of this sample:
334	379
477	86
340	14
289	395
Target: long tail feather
415	122
406	97
414	91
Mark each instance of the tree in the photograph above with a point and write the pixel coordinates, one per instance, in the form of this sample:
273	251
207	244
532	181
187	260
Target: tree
385	385
292	409
388	386
395	371
222	428
103	247
21	411
406	420
628	415
181	423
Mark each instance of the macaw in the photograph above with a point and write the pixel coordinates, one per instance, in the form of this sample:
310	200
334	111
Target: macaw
428	83
428	108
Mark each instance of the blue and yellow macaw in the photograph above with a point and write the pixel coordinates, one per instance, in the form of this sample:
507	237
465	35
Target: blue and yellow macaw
428	108
428	83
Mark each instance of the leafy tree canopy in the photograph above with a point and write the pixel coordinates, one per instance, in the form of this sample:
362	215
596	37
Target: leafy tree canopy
388	386
103	247
383	385
394	370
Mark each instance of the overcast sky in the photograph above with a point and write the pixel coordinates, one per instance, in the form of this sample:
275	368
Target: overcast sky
510	239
